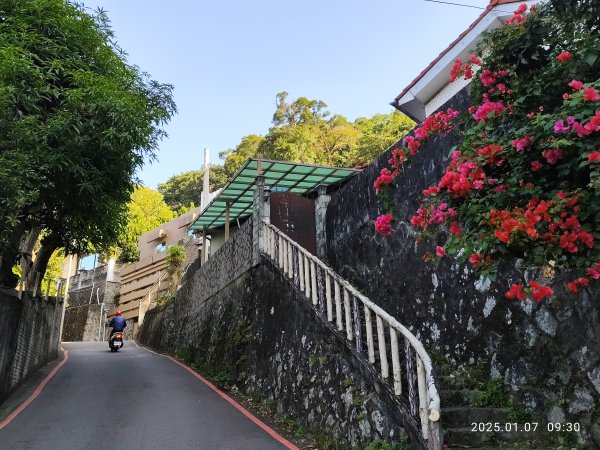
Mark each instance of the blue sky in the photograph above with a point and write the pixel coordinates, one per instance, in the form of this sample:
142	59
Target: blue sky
228	58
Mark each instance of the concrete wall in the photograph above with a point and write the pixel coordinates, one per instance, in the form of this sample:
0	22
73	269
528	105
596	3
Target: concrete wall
265	338
29	338
548	354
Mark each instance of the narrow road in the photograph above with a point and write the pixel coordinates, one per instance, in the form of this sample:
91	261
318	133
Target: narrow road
132	399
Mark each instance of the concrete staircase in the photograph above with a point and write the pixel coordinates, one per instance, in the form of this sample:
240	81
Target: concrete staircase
467	425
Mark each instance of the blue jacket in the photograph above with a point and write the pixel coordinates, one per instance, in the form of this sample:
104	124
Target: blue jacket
118	323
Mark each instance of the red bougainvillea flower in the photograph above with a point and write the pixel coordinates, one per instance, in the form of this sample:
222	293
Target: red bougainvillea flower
576	85
539	292
594	157
591	95
564	56
385	178
576	284
516	292
383	224
455	229
440	251
519	15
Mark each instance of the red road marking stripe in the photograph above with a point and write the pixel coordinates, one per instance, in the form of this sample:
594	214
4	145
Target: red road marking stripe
37	392
239	407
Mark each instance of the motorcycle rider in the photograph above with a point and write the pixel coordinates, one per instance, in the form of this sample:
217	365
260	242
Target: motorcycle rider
118	324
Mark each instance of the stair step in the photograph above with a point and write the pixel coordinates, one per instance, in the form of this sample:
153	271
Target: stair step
460	417
459	397
495	448
466	438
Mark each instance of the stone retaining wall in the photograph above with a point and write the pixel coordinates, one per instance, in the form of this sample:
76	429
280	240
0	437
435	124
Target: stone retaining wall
29	336
547	354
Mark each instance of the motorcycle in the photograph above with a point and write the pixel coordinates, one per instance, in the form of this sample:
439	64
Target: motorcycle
116	341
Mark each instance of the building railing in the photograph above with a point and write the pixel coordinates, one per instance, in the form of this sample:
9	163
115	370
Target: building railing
373	332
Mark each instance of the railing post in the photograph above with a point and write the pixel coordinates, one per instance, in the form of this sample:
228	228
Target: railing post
290	260
307	282
338	305
396	370
369	327
313	278
301	269
348	314
382	350
328	296
422	398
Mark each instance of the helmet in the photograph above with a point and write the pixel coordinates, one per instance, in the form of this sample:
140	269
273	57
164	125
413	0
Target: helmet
117	313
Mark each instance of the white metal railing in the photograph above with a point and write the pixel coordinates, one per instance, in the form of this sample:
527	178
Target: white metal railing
352	312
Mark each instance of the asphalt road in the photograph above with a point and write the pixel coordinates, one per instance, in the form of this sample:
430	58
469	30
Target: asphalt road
132	399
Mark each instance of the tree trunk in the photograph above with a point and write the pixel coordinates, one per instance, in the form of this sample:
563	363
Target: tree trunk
10	256
40	264
27	247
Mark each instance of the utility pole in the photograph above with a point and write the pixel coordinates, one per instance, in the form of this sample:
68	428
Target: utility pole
205	184
64	306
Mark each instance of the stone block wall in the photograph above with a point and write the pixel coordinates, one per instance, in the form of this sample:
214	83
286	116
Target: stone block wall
265	338
547	354
29	336
83	323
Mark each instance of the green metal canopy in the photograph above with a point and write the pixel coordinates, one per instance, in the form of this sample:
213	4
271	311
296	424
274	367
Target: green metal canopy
279	176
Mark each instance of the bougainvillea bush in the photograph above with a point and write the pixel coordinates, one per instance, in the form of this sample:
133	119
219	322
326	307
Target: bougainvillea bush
524	181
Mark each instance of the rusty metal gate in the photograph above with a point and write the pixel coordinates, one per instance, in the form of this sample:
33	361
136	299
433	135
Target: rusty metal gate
295	216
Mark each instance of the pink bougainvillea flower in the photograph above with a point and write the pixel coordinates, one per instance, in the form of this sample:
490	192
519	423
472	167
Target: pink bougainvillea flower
580	129
576	85
553	155
522	143
591	95
560	127
475	59
516	292
593	157
488	110
565	96
594	272
383	224
564	56
536	165
487	77
440	251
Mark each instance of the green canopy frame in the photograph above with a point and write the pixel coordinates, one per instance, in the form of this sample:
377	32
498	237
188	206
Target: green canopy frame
279	175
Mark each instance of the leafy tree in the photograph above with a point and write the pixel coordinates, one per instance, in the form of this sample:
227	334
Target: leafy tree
76	121
304	131
185	189
234	158
145	211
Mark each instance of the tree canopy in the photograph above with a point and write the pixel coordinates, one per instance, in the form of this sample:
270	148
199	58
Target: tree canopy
76	121
146	210
304	131
183	191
